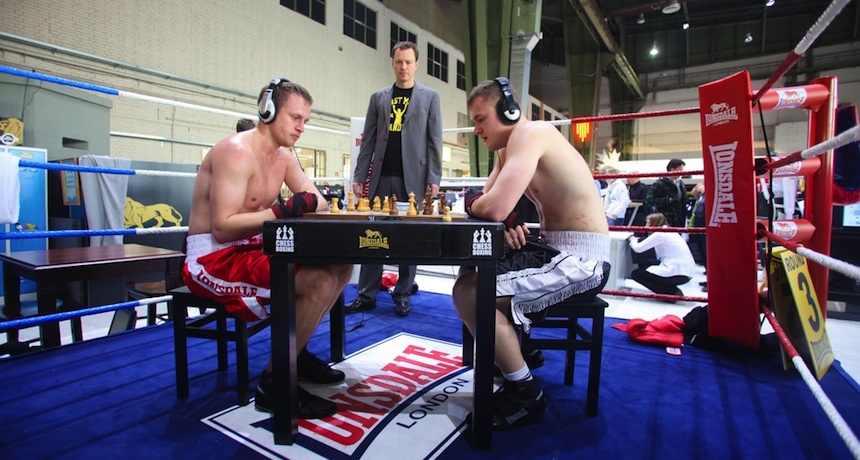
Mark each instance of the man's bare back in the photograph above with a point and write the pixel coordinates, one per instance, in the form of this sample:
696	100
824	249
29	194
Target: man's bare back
562	187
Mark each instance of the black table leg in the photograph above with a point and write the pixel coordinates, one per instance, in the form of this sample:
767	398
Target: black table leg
485	338
285	420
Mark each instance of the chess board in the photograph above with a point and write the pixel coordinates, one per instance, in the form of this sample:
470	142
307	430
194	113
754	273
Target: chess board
379	215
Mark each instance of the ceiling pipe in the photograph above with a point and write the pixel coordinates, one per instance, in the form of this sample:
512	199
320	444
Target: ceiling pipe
594	21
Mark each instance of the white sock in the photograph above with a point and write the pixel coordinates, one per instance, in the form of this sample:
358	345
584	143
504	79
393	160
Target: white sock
521	375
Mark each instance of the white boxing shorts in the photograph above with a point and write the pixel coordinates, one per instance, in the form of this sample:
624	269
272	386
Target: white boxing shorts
538	277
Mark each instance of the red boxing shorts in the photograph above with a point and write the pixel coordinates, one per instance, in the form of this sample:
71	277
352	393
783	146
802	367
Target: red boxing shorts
235	274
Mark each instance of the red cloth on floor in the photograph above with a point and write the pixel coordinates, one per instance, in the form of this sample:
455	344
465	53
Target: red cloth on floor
666	330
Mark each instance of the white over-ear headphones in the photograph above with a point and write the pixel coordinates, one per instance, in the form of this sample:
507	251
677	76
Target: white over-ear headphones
268	109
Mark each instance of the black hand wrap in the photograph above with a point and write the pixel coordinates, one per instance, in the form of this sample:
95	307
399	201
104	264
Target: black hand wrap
513	220
297	206
471	196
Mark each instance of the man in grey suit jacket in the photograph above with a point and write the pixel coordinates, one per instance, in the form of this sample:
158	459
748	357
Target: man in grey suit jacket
401	150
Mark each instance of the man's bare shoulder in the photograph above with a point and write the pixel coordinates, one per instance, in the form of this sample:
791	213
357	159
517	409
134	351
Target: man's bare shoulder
235	148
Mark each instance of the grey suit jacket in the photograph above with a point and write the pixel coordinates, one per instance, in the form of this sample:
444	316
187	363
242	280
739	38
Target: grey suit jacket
421	141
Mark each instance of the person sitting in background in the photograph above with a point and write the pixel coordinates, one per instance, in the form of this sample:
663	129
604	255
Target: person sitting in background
676	261
638	192
616	199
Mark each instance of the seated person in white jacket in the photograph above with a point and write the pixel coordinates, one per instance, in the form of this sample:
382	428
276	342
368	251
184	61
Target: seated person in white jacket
676	261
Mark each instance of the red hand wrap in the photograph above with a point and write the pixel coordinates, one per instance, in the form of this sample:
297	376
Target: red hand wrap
513	220
297	206
470	198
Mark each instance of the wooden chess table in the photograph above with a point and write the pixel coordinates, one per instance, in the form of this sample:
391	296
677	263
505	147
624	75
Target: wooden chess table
351	238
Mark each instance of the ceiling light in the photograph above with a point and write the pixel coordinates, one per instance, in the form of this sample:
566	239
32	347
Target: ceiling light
654	51
672	7
770	3
640	19
748	38
686	25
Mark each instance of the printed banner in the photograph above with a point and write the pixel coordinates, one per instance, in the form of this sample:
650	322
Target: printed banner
406	389
727	148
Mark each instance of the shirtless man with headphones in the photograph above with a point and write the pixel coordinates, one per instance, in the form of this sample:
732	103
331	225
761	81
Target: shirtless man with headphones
571	256
238	187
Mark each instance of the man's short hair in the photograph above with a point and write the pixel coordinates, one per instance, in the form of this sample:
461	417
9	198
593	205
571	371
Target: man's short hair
245	124
490	90
405	45
675	163
284	89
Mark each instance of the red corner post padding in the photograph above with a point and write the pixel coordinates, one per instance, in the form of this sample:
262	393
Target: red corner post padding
727	146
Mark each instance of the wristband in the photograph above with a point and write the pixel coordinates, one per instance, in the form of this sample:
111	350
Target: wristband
513	220
296	206
470	198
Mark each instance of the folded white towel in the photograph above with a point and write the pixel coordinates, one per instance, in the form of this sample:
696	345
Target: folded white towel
10	188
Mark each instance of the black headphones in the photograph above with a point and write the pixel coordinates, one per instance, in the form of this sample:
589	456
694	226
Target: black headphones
268	108
507	107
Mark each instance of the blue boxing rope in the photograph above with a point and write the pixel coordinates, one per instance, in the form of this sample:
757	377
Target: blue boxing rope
99	169
60	81
30	321
72	233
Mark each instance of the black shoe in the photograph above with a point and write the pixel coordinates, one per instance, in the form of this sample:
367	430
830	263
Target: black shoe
314	370
310	406
359	305
402	308
517	404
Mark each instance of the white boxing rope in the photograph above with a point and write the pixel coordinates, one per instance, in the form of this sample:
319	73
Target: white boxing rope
818	27
845	138
851	271
829	409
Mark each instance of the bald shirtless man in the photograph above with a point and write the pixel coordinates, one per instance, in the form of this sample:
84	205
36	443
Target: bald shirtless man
571	258
238	187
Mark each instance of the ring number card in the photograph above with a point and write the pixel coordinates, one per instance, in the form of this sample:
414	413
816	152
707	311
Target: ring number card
798	312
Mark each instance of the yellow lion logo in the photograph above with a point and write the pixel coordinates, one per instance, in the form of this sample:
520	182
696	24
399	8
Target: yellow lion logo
371	234
136	214
11	131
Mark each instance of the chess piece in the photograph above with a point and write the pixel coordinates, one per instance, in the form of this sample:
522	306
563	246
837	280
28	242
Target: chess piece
334	207
443	204
447	216
428	201
376	205
350	206
412	211
363	205
392	205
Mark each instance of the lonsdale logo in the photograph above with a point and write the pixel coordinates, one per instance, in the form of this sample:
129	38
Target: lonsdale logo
373	239
721	114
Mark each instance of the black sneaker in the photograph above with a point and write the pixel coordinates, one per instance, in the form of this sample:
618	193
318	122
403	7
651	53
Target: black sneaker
517	404
402	308
314	370
359	305
310	406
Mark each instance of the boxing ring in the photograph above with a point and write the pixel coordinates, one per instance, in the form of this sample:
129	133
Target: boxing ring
727	110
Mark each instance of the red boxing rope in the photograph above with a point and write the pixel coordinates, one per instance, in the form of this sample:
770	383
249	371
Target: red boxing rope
638	229
633	116
787	64
646	295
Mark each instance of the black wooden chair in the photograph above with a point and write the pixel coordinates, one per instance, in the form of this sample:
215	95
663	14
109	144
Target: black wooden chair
567	315
184	328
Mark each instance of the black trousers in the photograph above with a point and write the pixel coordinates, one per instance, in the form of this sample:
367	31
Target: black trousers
659	284
370	276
